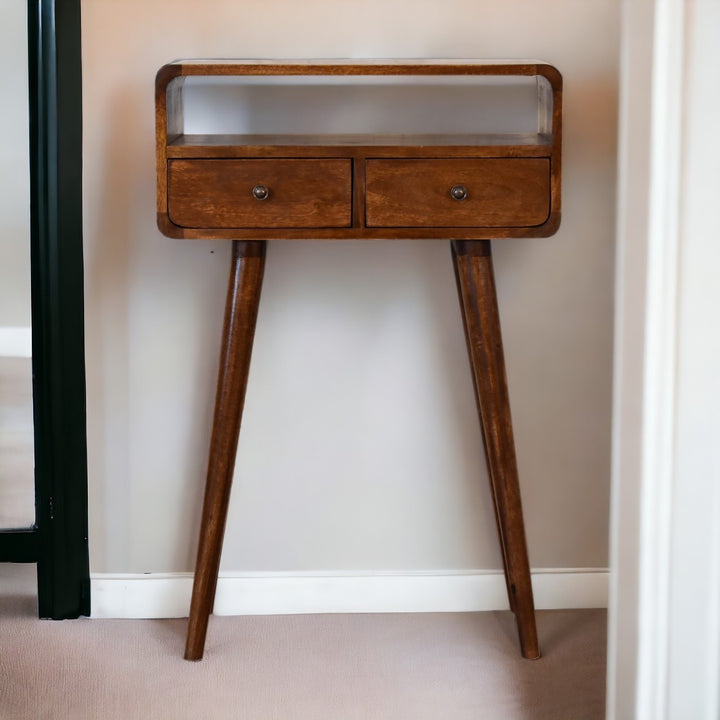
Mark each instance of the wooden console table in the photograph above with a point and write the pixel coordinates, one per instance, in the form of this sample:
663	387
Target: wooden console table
466	188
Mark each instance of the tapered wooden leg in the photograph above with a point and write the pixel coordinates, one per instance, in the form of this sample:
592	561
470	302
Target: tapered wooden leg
501	539
241	307
478	303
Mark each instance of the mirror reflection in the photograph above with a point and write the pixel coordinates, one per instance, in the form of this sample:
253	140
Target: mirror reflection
17	496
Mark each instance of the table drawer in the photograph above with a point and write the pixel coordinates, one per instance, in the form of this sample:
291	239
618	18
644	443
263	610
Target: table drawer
304	193
493	192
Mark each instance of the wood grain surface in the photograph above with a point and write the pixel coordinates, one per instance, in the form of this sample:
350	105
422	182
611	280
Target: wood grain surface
241	308
219	193
416	192
184	209
481	319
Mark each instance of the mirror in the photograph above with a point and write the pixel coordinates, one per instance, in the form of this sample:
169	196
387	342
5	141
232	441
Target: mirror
17	488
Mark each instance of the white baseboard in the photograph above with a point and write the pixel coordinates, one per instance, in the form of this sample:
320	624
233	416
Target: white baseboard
15	342
168	595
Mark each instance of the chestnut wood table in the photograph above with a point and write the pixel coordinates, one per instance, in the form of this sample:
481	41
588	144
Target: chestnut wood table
466	188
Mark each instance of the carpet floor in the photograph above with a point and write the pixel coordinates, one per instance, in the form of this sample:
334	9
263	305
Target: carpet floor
301	667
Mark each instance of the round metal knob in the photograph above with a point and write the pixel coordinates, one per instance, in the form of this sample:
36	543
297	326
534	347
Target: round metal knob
458	192
261	192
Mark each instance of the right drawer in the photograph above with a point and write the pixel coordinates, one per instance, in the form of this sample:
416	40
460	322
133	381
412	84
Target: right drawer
473	192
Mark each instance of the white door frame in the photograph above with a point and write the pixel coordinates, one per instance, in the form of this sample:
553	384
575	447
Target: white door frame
664	611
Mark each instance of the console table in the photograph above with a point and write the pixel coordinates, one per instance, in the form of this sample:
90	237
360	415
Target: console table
462	187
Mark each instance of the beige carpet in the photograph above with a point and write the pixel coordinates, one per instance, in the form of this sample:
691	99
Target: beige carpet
315	667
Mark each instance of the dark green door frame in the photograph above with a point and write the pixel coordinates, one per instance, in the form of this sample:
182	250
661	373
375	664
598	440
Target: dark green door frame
58	541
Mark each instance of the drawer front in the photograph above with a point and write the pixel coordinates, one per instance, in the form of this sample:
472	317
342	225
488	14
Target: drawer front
224	193
492	192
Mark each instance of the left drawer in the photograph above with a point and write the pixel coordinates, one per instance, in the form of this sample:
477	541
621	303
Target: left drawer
284	193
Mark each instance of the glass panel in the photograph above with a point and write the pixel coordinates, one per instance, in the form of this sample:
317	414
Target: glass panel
17	488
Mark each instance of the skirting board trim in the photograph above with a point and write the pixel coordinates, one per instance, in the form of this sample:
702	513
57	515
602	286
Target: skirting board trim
168	595
15	342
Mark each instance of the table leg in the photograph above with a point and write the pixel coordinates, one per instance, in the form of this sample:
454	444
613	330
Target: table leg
241	307
478	304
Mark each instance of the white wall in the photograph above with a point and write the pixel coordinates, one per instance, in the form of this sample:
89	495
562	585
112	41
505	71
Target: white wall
360	447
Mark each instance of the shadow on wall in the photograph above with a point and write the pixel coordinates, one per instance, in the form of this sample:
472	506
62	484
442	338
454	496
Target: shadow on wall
330	378
107	346
149	323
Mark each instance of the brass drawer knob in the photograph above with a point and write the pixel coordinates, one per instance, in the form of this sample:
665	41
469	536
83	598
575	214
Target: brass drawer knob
458	192
261	192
